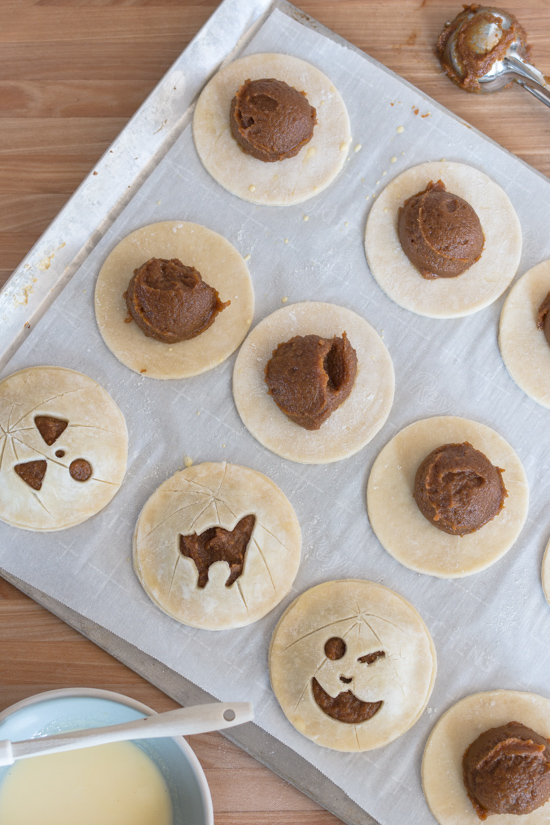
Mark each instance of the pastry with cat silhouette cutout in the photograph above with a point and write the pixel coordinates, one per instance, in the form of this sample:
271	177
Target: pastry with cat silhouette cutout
217	546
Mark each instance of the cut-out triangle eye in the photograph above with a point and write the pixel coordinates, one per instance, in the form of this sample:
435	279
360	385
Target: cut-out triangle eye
32	473
50	428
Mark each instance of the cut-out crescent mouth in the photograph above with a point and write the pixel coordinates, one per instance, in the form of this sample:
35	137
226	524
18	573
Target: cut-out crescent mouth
345	707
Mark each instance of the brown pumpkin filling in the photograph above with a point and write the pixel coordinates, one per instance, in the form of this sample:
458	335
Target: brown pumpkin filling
506	770
345	707
80	469
309	377
473	62
219	544
50	428
440	233
271	120
335	648
170	302
369	658
32	473
458	489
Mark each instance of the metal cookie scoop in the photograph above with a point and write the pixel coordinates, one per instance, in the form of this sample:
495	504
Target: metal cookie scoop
484	48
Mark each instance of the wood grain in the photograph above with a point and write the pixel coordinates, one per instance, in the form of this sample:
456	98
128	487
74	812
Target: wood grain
39	652
72	72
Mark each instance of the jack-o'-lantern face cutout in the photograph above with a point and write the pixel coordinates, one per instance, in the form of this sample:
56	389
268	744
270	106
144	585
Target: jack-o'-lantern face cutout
217	546
352	665
346	706
63	446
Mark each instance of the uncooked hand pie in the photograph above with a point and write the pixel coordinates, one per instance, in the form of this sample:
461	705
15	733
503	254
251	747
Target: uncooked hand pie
353	424
444	297
217	546
63	448
352	664
408	535
282	182
220	266
458	728
524	347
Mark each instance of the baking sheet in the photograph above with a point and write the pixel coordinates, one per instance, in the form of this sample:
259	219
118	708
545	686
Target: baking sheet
253	739
490	629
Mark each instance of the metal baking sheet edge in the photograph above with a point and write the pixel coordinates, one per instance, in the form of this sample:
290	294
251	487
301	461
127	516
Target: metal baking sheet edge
119	173
49	266
126	164
250	737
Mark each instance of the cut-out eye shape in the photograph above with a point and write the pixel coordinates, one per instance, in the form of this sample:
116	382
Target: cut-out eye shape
50	428
371	657
335	648
80	469
32	473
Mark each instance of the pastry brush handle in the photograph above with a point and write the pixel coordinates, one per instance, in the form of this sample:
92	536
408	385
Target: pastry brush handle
181	722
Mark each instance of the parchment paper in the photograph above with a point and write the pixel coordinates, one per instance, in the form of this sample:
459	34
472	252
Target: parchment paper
490	630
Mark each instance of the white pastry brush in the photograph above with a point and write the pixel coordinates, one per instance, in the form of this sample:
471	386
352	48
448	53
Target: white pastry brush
181	722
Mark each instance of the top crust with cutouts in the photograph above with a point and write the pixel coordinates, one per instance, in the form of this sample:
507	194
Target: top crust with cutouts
57	428
352	665
217	546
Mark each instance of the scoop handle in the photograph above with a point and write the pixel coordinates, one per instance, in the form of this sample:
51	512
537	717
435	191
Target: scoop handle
180	722
529	77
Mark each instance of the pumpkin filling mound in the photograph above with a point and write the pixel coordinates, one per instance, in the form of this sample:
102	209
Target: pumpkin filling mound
271	120
458	489
439	232
170	302
218	544
506	770
309	377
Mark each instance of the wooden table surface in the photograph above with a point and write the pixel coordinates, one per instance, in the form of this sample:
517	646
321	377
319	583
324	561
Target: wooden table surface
72	72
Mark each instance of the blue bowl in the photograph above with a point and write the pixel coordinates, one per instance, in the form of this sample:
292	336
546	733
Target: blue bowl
57	711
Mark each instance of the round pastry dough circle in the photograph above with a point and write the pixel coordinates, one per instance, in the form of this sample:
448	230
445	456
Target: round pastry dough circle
280	183
456	730
369	617
96	431
353	424
523	347
546	573
220	266
400	526
209	495
483	282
